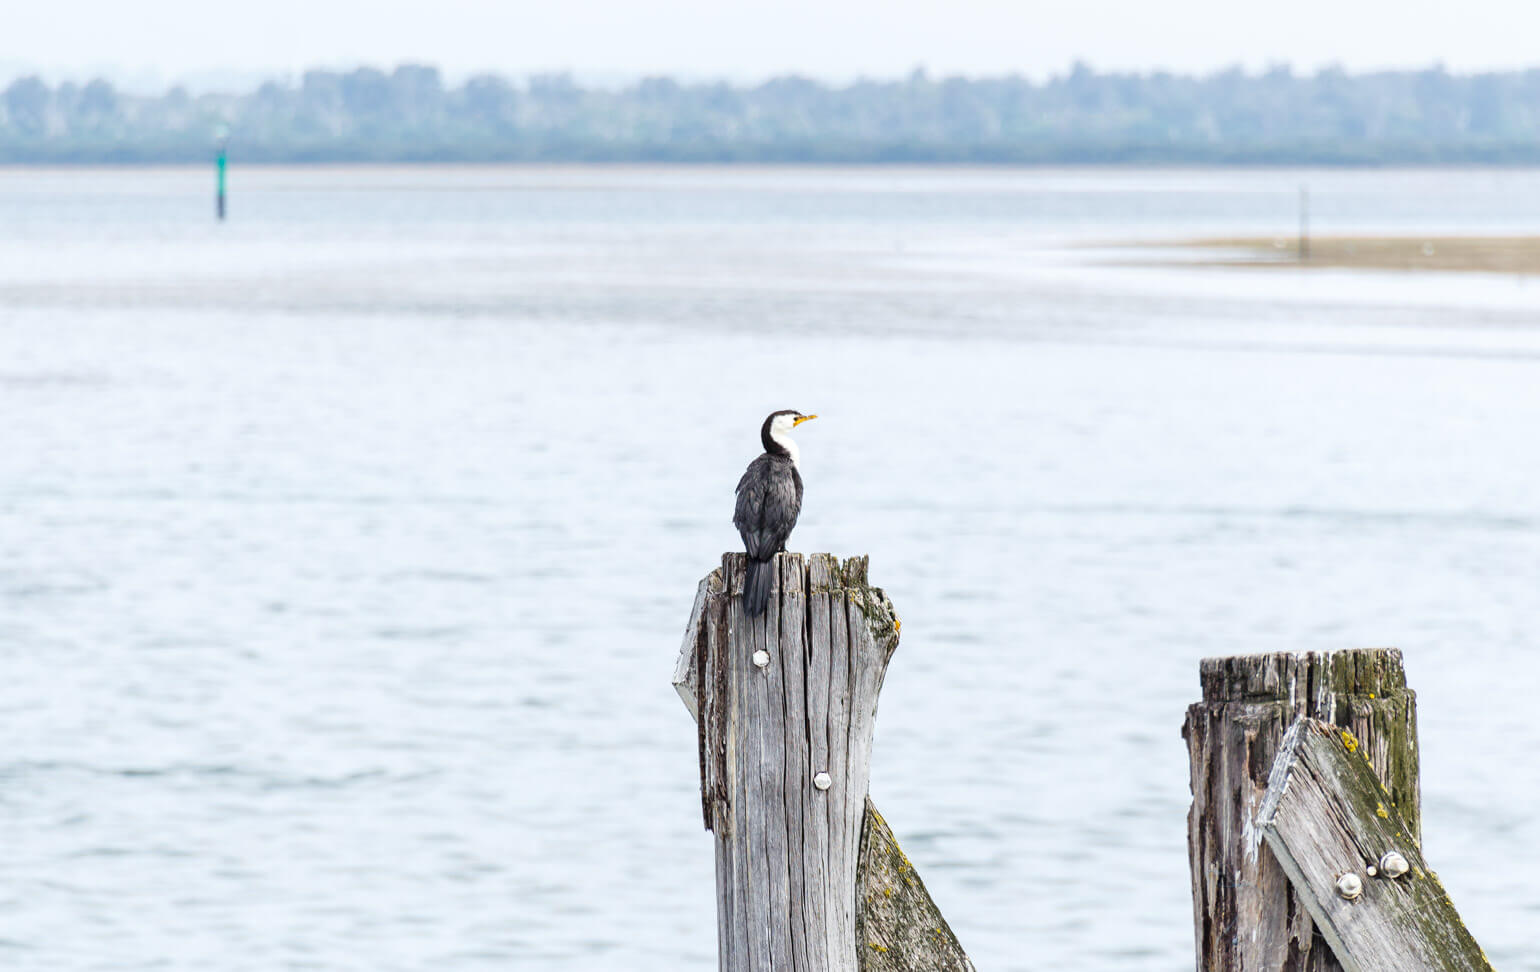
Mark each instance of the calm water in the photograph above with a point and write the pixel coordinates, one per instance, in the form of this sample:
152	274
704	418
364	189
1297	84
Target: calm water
348	546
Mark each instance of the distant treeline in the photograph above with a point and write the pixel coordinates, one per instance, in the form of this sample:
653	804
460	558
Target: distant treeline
409	115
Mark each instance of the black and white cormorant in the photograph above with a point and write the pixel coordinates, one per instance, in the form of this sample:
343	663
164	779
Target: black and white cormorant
769	499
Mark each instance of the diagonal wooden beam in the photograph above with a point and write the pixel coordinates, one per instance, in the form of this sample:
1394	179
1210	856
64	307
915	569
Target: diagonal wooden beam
1354	860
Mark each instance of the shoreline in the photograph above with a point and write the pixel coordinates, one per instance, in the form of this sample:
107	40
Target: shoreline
1511	255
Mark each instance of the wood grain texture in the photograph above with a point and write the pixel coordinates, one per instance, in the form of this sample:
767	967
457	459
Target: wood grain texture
1246	915
798	867
1326	814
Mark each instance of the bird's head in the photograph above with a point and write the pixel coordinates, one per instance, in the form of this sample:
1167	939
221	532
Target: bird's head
775	435
785	420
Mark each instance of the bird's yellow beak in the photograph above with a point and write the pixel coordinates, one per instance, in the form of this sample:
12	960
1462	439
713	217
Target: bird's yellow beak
803	418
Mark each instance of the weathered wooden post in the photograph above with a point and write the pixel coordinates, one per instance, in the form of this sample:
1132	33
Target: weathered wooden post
1247	916
809	878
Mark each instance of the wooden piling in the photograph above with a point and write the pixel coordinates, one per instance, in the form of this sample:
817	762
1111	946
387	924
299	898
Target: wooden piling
809	877
1247	917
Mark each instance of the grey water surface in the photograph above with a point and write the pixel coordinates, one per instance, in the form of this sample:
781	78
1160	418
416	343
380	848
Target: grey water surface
347	546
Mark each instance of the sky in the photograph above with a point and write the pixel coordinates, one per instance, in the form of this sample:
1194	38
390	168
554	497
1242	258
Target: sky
152	43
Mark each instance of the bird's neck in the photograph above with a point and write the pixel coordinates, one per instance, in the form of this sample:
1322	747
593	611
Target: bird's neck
780	444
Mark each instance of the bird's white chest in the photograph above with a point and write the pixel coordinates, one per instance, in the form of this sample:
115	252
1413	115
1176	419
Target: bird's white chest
784	441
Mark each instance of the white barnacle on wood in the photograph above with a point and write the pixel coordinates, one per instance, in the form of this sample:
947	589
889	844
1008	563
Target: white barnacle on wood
822	781
1350	886
1393	865
761	658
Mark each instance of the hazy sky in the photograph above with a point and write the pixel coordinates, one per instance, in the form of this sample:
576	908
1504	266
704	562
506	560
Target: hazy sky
153	41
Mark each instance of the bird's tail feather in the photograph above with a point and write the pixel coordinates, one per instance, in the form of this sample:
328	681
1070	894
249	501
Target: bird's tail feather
756	589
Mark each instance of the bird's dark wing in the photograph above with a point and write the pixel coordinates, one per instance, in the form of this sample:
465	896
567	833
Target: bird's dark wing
769	500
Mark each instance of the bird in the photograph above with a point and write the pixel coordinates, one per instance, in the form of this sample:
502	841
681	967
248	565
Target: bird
769	499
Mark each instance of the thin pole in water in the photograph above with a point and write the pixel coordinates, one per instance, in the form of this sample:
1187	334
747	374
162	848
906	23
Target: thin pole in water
222	137
1304	223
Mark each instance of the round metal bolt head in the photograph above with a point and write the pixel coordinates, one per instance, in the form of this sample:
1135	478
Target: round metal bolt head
1393	865
822	781
761	658
1349	886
